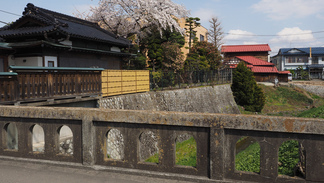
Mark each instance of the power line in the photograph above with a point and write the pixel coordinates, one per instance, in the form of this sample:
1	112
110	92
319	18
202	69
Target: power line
9	13
255	35
297	40
4	22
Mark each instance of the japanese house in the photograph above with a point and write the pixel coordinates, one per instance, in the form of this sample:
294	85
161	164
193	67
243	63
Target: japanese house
52	56
44	38
309	58
256	58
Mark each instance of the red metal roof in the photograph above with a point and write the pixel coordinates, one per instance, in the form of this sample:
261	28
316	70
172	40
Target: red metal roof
233	66
245	48
254	61
260	69
284	72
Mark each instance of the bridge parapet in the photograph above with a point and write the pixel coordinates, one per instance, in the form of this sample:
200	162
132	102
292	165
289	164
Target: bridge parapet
216	136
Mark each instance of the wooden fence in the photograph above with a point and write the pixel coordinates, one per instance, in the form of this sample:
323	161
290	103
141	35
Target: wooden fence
8	86
117	82
32	84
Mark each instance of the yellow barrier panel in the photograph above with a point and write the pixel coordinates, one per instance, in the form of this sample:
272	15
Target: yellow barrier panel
118	82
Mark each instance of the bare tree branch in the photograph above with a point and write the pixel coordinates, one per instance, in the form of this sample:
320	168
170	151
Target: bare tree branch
215	33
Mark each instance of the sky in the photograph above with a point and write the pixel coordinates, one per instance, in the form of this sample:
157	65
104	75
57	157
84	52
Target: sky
281	24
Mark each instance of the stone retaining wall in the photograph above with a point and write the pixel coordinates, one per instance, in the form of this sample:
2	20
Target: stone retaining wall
315	89
213	99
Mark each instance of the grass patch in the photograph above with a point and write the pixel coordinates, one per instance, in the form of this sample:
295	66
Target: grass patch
186	153
153	159
287	101
313	113
293	95
249	159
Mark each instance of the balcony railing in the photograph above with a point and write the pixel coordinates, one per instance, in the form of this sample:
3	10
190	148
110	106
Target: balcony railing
37	83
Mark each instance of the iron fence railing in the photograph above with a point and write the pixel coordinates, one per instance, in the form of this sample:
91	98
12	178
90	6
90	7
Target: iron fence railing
160	80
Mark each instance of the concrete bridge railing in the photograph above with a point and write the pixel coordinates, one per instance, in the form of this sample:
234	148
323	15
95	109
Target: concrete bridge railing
215	135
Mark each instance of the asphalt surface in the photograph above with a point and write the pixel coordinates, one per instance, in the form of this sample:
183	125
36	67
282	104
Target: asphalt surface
29	172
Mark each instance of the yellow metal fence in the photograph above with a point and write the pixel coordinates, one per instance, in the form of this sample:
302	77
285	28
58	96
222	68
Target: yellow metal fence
117	82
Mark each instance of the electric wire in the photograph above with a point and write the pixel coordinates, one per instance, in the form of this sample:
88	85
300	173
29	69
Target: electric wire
9	13
4	22
274	35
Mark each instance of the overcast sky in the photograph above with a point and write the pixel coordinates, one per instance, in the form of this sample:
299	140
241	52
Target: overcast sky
279	23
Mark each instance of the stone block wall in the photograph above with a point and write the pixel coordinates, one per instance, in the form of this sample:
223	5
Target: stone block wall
315	89
213	99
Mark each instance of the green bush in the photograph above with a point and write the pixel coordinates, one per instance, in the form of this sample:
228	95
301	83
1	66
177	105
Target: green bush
249	159
288	157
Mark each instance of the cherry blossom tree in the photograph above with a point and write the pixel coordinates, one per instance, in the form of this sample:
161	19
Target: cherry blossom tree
127	17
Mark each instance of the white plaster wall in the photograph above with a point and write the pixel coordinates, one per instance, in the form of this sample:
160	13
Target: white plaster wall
50	58
29	61
321	60
114	48
66	42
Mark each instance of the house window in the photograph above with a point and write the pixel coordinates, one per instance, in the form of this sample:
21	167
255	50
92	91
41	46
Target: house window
50	63
297	59
202	38
314	60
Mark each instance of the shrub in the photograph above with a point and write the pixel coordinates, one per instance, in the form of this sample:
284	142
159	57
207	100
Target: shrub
288	157
245	89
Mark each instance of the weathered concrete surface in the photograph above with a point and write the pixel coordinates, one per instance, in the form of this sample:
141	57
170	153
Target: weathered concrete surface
27	172
216	136
216	99
229	121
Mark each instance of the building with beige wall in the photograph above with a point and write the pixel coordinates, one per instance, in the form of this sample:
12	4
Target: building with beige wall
201	34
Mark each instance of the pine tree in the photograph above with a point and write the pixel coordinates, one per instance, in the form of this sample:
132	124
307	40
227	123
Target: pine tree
245	89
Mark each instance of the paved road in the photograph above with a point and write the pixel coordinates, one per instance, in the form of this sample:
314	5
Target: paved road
28	172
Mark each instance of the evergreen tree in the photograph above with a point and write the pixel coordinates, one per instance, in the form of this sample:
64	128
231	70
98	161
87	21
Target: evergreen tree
153	45
245	89
192	23
137	62
203	56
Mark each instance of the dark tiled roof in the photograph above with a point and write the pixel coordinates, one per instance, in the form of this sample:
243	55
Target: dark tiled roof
24	31
51	44
53	21
316	66
302	51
